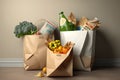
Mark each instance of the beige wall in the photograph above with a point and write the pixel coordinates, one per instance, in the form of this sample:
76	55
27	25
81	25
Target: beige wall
14	11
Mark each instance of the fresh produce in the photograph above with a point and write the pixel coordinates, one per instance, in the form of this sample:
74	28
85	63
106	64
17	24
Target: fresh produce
44	70
56	47
42	73
54	44
24	28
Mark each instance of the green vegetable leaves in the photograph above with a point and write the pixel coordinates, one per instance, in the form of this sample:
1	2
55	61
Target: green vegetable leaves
24	28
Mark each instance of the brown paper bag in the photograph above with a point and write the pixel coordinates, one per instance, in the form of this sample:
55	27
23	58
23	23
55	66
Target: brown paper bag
60	64
35	51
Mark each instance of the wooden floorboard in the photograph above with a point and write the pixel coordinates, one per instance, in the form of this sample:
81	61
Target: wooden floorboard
17	73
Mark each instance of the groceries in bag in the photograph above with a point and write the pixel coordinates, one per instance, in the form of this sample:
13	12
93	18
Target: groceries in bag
57	48
24	28
86	24
47	29
72	19
71	24
60	64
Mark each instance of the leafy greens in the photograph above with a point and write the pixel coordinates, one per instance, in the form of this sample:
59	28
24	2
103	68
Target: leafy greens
24	28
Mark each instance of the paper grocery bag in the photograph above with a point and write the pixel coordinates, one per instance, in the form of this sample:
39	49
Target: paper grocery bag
60	64
35	51
83	51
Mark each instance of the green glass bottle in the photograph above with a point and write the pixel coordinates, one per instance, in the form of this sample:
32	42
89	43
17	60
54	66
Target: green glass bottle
63	23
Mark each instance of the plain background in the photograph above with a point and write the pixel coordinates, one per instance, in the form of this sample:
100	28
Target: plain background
14	11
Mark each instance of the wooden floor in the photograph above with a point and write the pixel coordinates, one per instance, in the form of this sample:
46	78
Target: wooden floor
96	74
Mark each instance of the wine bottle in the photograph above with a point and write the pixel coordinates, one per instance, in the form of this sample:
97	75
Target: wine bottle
63	23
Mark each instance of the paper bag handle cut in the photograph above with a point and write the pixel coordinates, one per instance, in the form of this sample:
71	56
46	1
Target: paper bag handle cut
64	57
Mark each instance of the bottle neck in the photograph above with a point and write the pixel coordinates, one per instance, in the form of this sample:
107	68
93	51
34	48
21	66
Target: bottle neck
62	16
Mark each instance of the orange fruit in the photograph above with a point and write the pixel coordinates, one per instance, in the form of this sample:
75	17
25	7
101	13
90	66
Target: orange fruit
59	48
64	50
44	70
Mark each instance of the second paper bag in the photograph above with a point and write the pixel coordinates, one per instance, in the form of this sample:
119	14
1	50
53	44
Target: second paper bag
60	64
